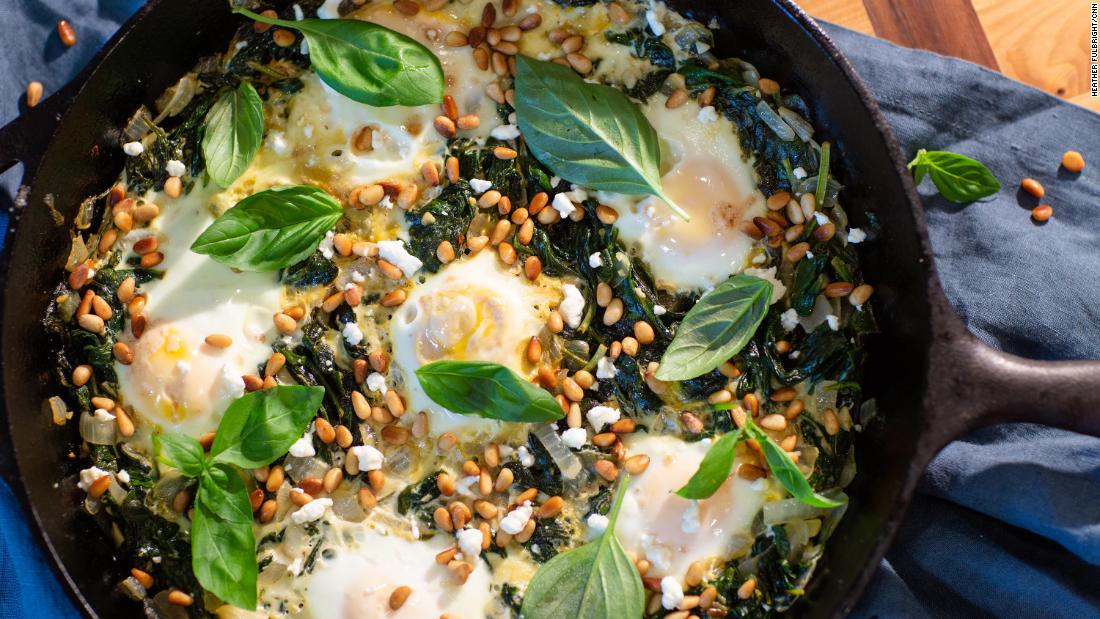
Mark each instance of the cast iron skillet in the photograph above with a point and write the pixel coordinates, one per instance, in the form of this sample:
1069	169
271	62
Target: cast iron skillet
932	380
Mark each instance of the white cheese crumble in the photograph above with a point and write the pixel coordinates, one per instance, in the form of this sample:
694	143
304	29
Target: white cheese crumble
469	542
395	253
599	416
659	310
799	172
821	218
123	476
303	447
516	519
834	322
672	594
575	437
572	306
505	132
597	524
89	475
605	368
376	382
654	23
595	260
175	168
689	521
525	457
789	319
101	414
810	255
479	186
708	115
311	511
352	333
299	14
358	277
370	459
329	10
795	354
133	149
555	181
278	143
856	235
326	248
778	289
563	205
577	195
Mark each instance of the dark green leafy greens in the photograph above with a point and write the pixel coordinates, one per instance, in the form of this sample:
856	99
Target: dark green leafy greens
589	134
716	328
256	429
957	177
487	390
234	131
367	62
595	581
272	229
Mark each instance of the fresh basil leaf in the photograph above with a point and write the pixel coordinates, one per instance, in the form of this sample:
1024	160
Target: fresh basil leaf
272	229
233	133
487	390
785	470
714	469
181	452
589	134
367	62
716	328
223	549
259	427
957	177
596	581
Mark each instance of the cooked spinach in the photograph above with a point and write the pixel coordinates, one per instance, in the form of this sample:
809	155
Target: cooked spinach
416	496
778	582
450	215
543	474
313	362
316	270
551	537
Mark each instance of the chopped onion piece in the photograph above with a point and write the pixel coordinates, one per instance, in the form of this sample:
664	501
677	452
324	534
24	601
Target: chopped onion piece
59	413
790	510
774	122
97	431
800	125
566	460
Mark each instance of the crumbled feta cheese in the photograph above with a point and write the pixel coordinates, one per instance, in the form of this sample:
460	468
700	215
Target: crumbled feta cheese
605	368
544	56
175	168
295	567
572	306
505	132
672	594
599	416
387	202
101	414
303	447
133	149
759	259
479	186
575	437
789	319
230	383
563	205
577	195
795	354
799	172
856	235
809	254
657	553
298	13
358	277
708	115
469	541
778	289
89	475
278	143
463	485
326	247
689	520
834	322
821	218
525	457
659	310
123	476
654	23
395	252
370	459
311	511
376	382
516	519
597	524
352	333
595	260
329	9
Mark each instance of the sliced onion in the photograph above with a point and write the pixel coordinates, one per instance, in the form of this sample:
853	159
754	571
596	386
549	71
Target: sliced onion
117	493
566	460
176	98
59	413
345	506
138	126
774	122
790	510
800	125
131	588
97	431
78	253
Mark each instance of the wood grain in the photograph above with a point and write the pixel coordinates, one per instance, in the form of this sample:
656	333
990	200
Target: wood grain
949	27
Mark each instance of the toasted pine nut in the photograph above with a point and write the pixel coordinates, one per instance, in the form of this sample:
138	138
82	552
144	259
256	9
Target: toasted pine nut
1033	187
637	464
68	38
399	596
1072	161
552	507
219	340
179	598
34	93
1042	213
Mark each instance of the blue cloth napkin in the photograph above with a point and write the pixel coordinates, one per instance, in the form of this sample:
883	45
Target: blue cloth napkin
1007	520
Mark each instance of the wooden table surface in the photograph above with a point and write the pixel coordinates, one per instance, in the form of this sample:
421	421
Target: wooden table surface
1044	43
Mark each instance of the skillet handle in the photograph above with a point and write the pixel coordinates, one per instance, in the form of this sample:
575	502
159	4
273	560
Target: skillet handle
972	385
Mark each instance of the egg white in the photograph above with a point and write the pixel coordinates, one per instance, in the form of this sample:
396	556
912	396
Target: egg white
472	310
673	532
177	382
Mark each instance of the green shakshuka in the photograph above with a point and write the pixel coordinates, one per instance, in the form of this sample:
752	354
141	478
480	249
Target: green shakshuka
455	309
